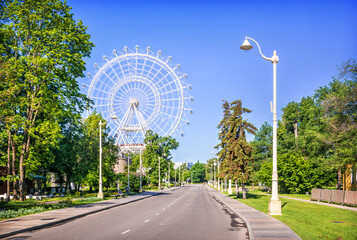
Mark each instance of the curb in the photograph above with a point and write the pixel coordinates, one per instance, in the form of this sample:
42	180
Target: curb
249	227
72	217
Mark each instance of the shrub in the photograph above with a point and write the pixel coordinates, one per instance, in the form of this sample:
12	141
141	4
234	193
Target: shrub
20	212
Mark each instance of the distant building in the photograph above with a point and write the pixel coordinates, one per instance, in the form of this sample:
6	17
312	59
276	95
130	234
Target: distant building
179	164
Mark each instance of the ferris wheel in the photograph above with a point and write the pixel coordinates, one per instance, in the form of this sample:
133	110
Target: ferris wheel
136	91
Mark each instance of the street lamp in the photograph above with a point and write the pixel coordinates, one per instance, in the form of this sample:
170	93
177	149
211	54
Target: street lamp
274	203
159	175
141	171
100	193
169	165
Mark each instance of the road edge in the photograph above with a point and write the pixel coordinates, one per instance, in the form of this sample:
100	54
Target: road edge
247	223
64	220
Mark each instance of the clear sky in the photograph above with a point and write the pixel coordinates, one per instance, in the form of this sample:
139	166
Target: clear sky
310	37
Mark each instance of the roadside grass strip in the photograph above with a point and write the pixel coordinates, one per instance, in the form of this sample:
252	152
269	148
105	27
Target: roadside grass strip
308	220
15	209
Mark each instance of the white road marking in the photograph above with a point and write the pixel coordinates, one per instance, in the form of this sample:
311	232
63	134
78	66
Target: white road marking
163	209
126	231
157	214
147	220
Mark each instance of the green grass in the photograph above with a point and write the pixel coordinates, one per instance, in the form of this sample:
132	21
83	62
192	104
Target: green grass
14	209
310	221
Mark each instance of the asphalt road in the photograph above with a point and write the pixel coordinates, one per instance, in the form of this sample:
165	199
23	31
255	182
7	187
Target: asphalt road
186	213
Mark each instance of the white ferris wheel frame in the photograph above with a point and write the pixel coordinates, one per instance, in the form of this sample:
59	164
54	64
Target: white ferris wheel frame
136	79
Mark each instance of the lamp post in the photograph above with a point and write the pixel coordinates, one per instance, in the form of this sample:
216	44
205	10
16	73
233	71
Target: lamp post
214	173
100	193
159	175
219	187
169	164
274	203
141	171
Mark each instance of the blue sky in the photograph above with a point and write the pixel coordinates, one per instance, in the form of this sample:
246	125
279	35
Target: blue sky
310	37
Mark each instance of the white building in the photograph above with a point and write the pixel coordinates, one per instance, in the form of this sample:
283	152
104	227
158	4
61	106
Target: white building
179	164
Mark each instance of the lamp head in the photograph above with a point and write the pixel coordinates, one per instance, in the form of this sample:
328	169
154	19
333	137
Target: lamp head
246	45
114	116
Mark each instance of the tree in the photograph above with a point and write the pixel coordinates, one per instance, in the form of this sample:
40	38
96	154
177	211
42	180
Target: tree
157	146
198	172
296	174
338	102
46	47
237	151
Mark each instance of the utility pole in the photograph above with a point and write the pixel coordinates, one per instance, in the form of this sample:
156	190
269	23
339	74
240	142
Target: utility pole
128	174
141	169
159	175
169	174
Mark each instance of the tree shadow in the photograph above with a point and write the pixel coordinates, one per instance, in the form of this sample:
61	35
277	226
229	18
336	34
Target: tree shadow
248	196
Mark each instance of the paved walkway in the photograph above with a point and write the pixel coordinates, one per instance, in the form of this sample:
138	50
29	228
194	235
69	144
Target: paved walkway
260	225
316	202
44	219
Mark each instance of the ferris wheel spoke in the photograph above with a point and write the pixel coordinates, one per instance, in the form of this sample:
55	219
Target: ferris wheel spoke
128	95
168	92
100	98
157	71
162	131
146	111
118	98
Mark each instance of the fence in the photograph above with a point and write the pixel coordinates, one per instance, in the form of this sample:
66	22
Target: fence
334	196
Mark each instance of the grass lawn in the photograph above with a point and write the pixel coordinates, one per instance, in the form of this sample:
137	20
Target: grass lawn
14	209
308	220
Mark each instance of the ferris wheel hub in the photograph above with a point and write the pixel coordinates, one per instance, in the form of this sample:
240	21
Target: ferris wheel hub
134	101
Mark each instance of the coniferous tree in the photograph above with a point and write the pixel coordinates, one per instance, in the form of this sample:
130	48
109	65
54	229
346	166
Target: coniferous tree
237	151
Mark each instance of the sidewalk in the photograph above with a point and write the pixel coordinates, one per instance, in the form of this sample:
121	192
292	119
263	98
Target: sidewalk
44	219
260	225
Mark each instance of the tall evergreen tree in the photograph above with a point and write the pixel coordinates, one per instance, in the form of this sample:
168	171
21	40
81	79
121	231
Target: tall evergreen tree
238	156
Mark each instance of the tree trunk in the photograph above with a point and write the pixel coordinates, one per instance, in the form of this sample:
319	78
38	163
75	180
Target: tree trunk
253	185
23	156
22	174
296	134
8	166
16	182
237	190
339	178
243	191
45	181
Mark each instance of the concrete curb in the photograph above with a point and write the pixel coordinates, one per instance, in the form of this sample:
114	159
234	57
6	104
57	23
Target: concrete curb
247	223
59	221
251	230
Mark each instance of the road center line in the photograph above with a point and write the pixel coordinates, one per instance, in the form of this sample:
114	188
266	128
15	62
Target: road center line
126	231
147	220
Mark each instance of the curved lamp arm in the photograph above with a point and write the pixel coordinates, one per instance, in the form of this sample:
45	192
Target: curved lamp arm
268	59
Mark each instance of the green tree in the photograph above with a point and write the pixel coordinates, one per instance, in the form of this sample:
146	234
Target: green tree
46	47
88	154
157	146
198	172
296	174
338	102
236	163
